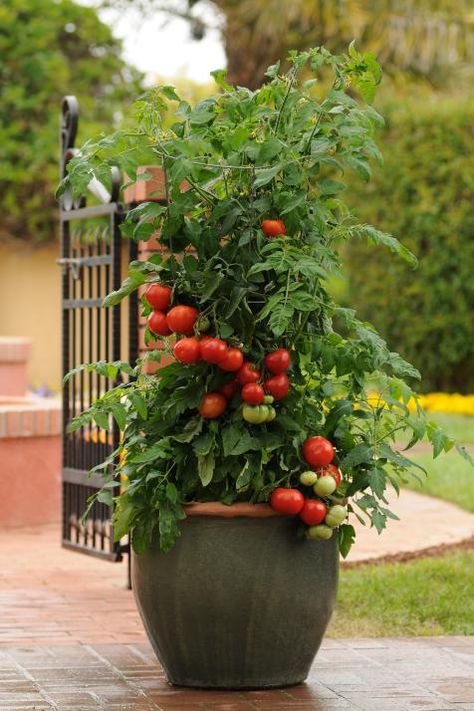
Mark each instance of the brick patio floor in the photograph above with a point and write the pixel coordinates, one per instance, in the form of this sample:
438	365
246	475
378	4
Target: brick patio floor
70	638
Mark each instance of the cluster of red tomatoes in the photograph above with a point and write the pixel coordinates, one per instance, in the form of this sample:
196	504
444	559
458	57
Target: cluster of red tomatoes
256	397
324	477
164	322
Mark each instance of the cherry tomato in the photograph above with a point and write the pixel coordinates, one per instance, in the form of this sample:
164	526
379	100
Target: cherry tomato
213	350
321	531
325	486
336	516
255	415
187	350
333	471
248	374
229	389
287	501
212	405
158	296
278	361
181	319
278	386
313	512
232	360
318	451
158	323
273	228
253	394
308	478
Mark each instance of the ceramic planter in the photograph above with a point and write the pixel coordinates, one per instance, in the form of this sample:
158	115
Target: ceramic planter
240	602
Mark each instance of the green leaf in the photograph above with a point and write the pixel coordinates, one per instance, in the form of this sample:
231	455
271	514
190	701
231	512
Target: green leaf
360	454
244	476
120	415
131	283
346	538
105	497
102	419
377	481
266	175
138	403
378	237
206	464
439	439
203	444
171	492
159	450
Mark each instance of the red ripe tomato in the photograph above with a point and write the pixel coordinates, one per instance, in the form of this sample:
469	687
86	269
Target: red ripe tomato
232	360
158	323
213	350
278	386
229	389
212	405
287	501
313	512
248	374
278	361
318	451
253	394
158	296
332	470
273	228
181	319
187	350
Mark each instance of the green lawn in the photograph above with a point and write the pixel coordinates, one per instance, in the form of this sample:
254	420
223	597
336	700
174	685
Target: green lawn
450	477
431	596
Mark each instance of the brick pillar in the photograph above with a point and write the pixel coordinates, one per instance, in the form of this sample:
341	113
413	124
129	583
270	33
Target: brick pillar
145	191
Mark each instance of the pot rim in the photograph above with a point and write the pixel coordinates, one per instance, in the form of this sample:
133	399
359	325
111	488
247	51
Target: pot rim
241	508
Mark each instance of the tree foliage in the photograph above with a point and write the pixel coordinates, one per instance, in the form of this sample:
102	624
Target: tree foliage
49	49
424	192
244	155
426	38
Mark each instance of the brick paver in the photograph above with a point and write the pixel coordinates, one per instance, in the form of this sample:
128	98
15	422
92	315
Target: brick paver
71	639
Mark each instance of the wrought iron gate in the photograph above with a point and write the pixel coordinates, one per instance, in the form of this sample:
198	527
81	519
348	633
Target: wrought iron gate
91	247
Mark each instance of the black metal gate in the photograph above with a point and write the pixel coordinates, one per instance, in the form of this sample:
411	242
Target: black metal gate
91	248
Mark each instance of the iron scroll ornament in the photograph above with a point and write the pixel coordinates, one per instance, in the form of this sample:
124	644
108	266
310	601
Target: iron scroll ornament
68	133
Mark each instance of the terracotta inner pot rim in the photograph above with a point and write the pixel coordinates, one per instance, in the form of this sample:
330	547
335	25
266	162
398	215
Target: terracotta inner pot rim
241	508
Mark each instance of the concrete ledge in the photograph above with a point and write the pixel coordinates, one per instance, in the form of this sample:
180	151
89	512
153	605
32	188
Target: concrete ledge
22	417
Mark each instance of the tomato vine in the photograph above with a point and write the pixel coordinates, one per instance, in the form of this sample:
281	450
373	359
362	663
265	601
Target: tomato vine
233	163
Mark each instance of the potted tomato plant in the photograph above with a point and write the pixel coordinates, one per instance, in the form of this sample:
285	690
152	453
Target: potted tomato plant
245	460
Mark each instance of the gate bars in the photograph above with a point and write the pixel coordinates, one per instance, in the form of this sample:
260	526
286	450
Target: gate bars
91	267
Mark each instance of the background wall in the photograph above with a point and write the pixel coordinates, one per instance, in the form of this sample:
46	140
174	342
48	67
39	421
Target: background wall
30	305
30	288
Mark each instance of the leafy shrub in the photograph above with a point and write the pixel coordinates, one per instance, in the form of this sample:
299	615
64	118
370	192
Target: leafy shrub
49	49
423	194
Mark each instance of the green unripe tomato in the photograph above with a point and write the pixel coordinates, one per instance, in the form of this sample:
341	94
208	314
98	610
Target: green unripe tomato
268	399
271	413
203	324
308	478
336	515
251	414
256	415
320	531
325	486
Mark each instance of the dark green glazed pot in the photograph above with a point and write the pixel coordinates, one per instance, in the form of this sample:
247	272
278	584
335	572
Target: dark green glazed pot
238	603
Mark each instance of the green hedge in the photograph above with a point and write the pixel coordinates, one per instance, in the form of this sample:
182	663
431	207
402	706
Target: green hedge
424	195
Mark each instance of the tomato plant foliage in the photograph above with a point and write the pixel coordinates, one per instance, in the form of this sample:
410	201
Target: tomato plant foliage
239	157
